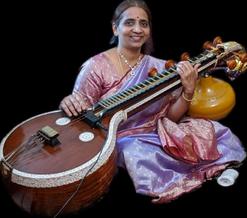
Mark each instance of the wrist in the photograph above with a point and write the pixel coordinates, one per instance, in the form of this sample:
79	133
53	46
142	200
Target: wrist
188	97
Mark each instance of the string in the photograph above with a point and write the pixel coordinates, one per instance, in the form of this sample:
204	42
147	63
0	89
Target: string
80	184
32	141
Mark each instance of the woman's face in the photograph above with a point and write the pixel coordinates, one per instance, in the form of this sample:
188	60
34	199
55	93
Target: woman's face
133	29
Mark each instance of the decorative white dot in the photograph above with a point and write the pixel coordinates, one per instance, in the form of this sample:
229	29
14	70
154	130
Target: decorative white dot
63	121
86	136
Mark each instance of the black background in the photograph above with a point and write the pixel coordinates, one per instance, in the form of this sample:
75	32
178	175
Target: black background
43	45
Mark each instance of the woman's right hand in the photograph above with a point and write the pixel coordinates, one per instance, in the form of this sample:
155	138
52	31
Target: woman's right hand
73	104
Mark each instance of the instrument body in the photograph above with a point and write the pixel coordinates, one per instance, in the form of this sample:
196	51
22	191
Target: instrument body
45	177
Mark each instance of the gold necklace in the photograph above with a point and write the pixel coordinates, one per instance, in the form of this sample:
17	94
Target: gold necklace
121	65
132	73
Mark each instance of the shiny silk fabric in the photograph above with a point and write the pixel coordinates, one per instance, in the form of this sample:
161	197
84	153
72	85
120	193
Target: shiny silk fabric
164	159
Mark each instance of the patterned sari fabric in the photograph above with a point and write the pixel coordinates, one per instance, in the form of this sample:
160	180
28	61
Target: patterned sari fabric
164	159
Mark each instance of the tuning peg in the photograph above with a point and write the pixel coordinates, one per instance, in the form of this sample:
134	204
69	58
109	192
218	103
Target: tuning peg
169	63
152	72
217	40
208	45
231	64
243	57
185	56
237	65
244	67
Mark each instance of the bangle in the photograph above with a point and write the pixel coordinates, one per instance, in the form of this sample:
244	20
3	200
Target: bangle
185	98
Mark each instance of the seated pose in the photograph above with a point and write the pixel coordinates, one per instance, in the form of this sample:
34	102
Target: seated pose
164	152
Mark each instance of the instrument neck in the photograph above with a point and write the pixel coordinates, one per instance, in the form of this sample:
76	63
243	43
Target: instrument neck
152	88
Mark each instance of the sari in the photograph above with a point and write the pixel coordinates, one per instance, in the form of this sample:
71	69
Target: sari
164	159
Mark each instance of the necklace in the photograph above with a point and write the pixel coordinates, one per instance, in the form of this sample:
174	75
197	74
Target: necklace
132	73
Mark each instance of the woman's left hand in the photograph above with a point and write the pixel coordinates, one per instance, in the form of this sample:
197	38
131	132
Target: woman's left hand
188	75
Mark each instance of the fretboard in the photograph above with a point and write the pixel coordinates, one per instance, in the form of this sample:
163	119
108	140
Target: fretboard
152	87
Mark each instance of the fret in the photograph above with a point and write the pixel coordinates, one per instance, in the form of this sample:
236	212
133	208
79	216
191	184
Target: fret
130	91
153	80
104	103
140	86
135	88
111	100
148	82
109	103
161	75
126	93
122	95
114	97
173	69
165	73
190	60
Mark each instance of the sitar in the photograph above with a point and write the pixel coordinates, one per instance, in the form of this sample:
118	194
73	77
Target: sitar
52	164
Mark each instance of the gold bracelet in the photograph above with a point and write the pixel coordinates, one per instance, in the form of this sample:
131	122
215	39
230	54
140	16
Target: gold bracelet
185	98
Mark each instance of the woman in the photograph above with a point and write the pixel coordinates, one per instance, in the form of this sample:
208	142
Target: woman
164	153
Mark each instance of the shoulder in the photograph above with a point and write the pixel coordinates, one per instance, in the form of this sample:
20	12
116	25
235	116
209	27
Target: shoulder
102	56
96	59
95	62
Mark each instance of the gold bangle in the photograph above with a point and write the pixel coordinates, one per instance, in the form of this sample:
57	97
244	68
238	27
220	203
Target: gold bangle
185	98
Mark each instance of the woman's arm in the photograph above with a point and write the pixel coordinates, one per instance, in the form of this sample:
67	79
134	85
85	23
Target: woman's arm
86	91
188	75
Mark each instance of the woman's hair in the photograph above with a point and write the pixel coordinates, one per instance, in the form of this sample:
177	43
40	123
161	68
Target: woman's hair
147	48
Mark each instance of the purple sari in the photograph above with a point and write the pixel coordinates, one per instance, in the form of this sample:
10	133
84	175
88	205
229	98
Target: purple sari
164	159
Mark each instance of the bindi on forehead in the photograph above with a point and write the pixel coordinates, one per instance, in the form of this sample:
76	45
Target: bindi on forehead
135	13
137	18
